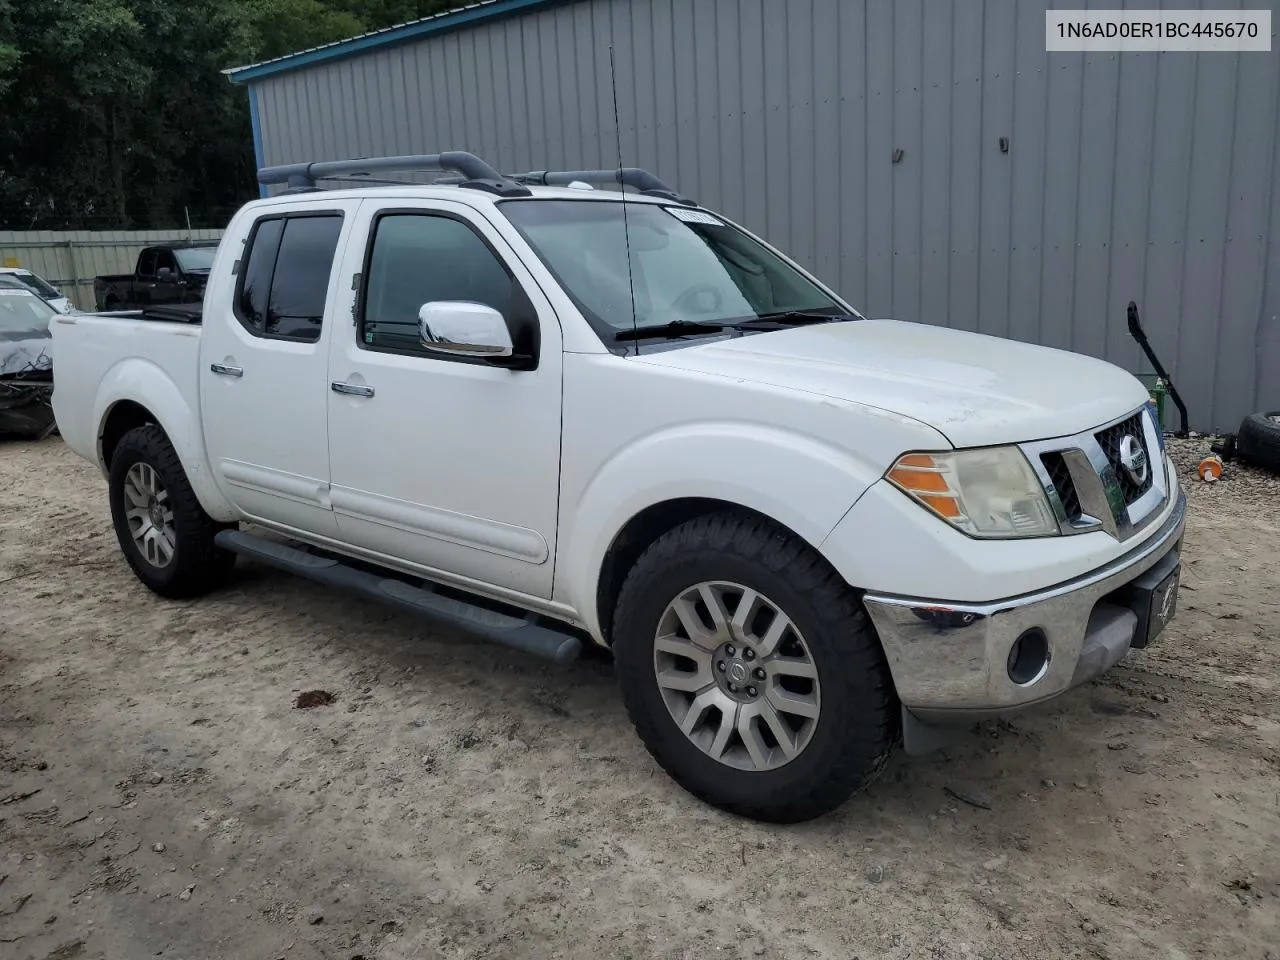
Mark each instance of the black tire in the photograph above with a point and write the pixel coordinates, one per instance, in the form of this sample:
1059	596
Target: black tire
859	723
1258	441
197	565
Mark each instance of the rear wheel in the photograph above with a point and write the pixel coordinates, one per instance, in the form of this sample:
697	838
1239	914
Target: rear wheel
165	534
751	671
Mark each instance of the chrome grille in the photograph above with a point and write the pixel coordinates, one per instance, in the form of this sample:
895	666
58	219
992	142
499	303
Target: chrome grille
1065	487
1087	485
1109	440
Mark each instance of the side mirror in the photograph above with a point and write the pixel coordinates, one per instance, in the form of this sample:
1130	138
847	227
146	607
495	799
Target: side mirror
463	329
164	274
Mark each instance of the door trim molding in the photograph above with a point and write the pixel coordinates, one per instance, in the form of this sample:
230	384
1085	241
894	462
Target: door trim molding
489	536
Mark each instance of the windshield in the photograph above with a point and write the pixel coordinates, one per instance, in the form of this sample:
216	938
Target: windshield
41	287
23	315
195	258
687	266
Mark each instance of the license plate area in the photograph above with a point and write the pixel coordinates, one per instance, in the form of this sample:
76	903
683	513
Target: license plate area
1154	598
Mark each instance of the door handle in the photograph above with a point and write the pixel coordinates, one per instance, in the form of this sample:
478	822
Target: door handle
227	370
351	389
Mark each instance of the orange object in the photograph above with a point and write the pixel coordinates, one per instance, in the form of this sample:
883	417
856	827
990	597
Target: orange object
1210	469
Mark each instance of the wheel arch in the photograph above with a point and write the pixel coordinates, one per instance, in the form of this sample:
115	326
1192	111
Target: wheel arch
136	392
642	530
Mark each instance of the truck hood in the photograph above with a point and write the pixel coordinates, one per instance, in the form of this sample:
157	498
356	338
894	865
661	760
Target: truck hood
974	389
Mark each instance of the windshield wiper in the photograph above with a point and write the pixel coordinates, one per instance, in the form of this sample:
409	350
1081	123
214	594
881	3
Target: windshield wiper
791	318
676	328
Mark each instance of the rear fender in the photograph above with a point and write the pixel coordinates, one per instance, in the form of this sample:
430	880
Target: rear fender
143	382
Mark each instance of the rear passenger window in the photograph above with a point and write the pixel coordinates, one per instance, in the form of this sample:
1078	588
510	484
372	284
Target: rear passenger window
418	258
284	276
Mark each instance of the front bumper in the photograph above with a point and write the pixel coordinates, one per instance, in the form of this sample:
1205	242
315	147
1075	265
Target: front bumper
950	661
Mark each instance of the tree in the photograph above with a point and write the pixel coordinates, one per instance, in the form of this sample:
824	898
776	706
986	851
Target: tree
117	113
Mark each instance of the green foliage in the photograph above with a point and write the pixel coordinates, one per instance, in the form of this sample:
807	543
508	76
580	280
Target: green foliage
116	113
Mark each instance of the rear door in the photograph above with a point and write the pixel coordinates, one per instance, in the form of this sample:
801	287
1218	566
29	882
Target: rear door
263	358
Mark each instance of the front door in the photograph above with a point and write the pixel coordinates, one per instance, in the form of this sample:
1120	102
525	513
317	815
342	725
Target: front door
263	359
450	464
164	287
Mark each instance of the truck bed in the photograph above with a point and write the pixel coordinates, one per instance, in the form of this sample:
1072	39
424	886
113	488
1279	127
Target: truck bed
100	355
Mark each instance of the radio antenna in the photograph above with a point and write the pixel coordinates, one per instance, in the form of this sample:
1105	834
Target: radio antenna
626	232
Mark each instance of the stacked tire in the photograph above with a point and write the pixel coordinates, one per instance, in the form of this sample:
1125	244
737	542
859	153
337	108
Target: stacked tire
1258	441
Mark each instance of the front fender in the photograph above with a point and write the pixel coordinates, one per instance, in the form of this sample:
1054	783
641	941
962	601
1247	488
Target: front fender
796	480
144	382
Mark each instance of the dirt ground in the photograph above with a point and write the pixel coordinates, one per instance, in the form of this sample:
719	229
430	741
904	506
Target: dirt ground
160	796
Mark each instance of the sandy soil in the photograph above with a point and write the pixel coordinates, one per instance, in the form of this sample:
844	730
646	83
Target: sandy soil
161	797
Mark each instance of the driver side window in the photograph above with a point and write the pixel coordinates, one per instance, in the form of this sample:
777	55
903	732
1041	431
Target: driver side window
164	260
418	258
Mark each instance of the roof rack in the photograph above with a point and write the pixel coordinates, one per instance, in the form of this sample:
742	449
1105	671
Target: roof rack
633	177
475	174
478	174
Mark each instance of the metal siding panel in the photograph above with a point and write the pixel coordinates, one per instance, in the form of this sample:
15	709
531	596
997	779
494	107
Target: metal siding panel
1212	140
1244	255
484	72
1027	139
755	118
1267	337
966	166
687	104
908	113
588	90
524	155
935	162
1062	185
1093	309
826	189
854	150
1130	202
729	126
636	93
1000	30
1170	191
701	102
776	25
661	62
552	72
879	147
796	171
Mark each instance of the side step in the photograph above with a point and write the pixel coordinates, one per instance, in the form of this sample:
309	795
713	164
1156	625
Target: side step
520	633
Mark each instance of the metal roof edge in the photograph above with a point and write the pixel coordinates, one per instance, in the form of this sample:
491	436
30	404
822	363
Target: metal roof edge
400	33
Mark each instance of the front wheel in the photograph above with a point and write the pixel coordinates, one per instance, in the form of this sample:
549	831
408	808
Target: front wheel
164	532
751	671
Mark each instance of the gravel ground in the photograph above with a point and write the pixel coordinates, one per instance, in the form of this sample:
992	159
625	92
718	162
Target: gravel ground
162	796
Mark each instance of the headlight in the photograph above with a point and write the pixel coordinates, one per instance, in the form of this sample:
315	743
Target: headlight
991	492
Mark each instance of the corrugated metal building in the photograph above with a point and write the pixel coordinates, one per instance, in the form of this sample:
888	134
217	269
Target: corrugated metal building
927	158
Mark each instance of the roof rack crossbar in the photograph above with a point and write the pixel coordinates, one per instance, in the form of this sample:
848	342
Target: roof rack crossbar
633	177
305	174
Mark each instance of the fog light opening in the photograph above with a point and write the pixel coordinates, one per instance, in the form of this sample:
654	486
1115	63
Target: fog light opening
1029	657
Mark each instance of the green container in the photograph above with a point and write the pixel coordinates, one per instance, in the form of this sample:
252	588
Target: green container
1159	390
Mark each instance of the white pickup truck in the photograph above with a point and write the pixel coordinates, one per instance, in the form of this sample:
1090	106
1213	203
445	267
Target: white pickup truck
546	412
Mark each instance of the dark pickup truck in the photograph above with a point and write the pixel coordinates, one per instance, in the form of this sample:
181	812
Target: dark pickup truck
170	273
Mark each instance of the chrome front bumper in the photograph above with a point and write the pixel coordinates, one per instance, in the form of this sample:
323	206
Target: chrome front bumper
951	660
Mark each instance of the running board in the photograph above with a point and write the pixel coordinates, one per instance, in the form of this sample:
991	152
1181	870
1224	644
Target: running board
519	633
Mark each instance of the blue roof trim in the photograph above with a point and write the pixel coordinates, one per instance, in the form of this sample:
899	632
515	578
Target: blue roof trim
439	23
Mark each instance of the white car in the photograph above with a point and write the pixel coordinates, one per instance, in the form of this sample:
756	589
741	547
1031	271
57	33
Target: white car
548	414
41	288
